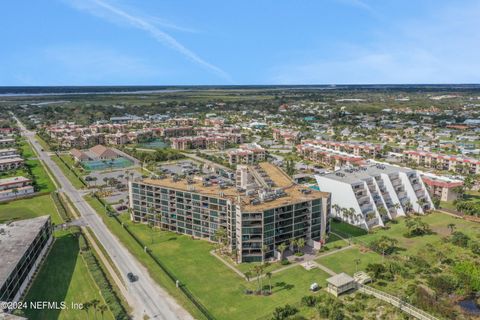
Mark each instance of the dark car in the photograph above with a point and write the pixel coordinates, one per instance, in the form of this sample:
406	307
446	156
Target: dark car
131	277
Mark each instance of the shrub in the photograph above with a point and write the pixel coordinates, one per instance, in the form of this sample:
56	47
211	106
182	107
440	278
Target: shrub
459	239
285	262
309	301
282	313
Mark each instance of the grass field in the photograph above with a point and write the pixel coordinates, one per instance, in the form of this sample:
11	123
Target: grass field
64	277
68	173
43	181
438	222
29	208
208	278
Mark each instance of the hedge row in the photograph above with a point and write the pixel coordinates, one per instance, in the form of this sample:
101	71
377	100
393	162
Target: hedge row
102	282
61	207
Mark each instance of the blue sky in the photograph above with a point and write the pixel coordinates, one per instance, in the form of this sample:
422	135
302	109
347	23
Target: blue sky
168	42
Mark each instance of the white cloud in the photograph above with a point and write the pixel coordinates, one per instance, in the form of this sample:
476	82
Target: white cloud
113	13
442	48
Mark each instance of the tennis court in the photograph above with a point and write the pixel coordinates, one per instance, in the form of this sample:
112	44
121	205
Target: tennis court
95	165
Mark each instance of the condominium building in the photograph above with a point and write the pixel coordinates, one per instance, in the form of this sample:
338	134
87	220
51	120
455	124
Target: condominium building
440	187
286	136
174	132
7	142
328	157
199	142
369	195
24	244
443	161
249	153
8	153
10	163
261	210
363	149
183	122
15	187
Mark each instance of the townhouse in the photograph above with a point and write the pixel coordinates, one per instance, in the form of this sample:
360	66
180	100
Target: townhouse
367	150
328	157
440	161
15	187
286	136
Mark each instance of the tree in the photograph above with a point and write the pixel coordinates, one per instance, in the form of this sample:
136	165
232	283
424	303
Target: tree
102	308
269	277
357	263
94	304
282	247
301	243
248	275
15	192
451	227
416	227
86	307
384	245
221	237
264	250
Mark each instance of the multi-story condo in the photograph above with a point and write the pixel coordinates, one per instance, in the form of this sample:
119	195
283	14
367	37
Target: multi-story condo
7	142
286	136
363	149
15	187
10	163
328	157
440	187
199	142
183	122
249	153
369	195
24	244
8	153
261	210
443	161
174	132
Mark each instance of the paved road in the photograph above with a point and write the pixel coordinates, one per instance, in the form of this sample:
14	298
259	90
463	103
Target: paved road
148	298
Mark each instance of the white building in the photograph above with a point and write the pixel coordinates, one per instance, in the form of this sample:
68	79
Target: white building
372	194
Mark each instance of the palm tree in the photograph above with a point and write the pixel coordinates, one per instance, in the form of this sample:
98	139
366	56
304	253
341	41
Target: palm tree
451	226
15	192
248	275
300	243
264	250
337	209
269	276
357	262
282	247
293	243
102	308
258	269
221	236
95	303
86	307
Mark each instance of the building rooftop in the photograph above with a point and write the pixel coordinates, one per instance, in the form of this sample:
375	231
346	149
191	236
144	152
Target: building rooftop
10	160
293	193
340	280
358	174
12	180
15	239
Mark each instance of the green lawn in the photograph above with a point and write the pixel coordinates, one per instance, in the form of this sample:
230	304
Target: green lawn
29	208
344	261
207	277
43	181
438	222
68	173
64	277
210	279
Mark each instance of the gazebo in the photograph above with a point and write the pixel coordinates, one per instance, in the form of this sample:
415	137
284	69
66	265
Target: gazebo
340	283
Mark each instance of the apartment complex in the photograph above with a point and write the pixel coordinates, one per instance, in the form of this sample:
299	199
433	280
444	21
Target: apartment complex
10	163
286	136
443	161
369	195
328	157
367	150
440	187
262	209
15	187
24	243
248	153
